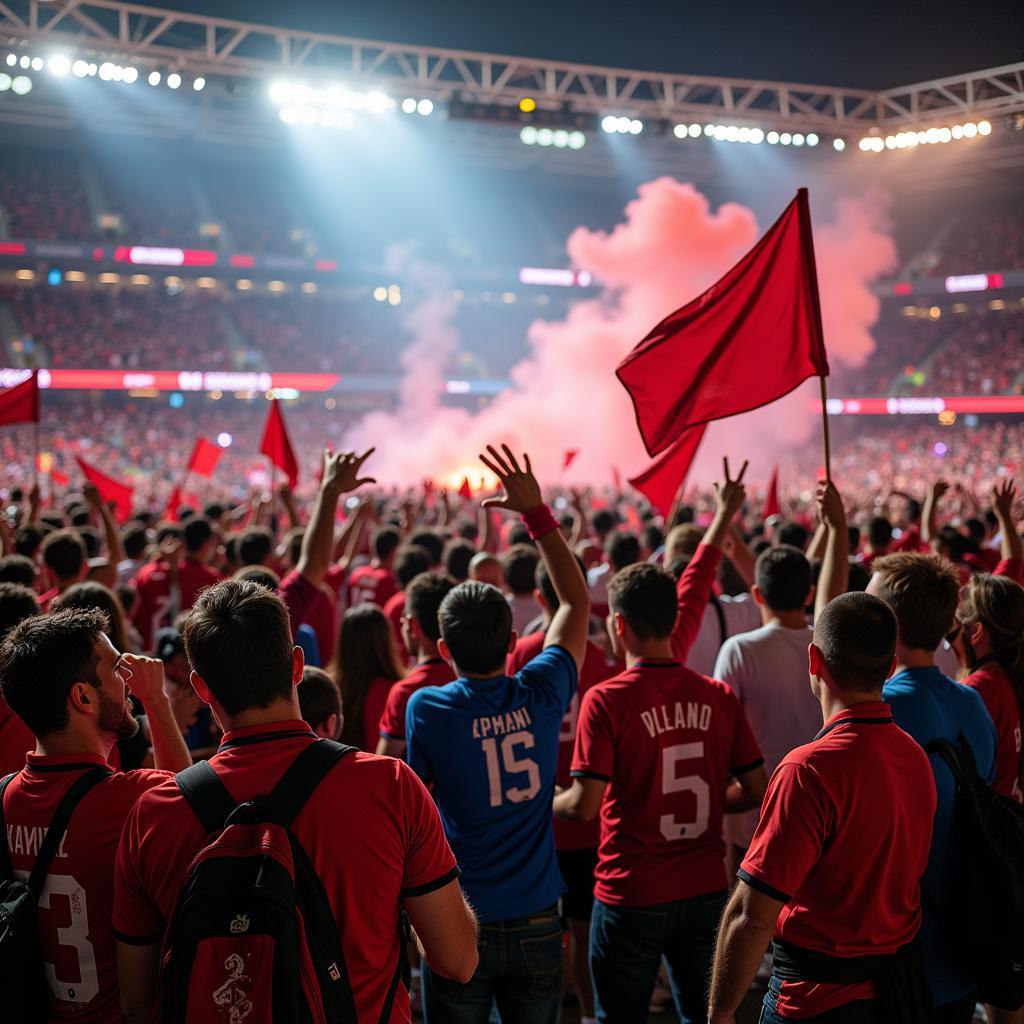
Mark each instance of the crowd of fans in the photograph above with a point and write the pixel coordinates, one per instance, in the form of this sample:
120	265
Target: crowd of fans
985	242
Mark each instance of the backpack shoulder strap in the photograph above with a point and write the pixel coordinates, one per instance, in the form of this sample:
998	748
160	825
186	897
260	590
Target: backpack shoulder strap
959	758
206	795
59	825
303	776
6	871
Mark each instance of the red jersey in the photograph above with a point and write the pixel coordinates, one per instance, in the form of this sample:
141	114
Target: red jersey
1000	697
569	835
310	606
370	585
335	578
910	540
433	672
394	609
846	862
370	829
76	901
373	707
152	608
16	740
665	739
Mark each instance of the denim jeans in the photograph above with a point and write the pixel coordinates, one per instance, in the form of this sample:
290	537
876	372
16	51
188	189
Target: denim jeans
628	943
860	1011
520	969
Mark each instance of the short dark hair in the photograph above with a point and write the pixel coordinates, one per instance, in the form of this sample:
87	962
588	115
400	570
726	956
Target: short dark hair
458	553
423	597
976	529
853	537
859	576
167	531
133	537
293	543
91	539
213	510
879	532
42	658
622	548
385	540
239	640
653	536
254	545
519	564
197	531
793	534
603	521
319	696
519	535
542	581
856	634
17	603
645	596
409	563
259	574
18	569
913	510
476	624
923	592
432	541
783	575
64	554
27	539
79	515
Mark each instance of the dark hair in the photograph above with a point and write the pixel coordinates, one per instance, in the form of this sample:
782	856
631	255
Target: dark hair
213	510
91	539
319	697
239	641
856	634
458	553
42	658
879	532
852	537
603	522
168	531
409	563
652	536
913	510
519	536
64	554
365	652
783	575
542	581
922	590
80	515
293	543
859	577
254	545
793	534
645	596
519	564
975	529
432	541
18	569
17	603
197	531
423	597
27	540
622	549
133	537
259	574
385	540
476	624
92	595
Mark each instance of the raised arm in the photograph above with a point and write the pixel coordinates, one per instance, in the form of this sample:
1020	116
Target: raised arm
1010	547
351	533
580	528
31	513
569	624
145	678
115	549
288	501
835	569
930	514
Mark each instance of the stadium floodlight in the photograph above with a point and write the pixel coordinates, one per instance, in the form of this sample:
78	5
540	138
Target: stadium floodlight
681	131
106	71
636	126
622	125
154	78
709	130
80	68
173	80
131	75
732	133
798	139
12	59
25	61
957	131
720	132
970	130
561	139
756	136
695	130
425	108
5	81
21	85
838	145
409	105
785	138
545	137
38	64
984	128
772	138
577	140
199	84
609	124
224	439
812	139
528	135
59	64
945	135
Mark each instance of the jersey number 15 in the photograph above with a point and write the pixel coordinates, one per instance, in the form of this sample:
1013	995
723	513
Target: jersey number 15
513	765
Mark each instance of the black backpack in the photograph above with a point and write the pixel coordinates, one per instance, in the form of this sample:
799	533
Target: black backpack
985	915
22	972
253	934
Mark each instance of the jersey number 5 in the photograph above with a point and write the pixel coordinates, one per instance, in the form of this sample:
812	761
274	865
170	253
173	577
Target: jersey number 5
672	782
513	765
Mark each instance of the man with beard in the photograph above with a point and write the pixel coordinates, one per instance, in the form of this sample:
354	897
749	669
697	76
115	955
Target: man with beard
61	675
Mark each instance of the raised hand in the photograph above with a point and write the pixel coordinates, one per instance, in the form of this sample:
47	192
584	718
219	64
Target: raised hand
91	494
830	505
731	494
341	471
1003	497
522	492
171	551
938	489
144	676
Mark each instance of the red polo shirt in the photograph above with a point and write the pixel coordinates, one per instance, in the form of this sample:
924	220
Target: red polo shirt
997	691
665	739
309	605
433	672
843	841
153	594
370	585
370	829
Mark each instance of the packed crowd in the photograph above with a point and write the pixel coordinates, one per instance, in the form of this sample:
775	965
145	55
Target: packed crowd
612	714
985	359
984	242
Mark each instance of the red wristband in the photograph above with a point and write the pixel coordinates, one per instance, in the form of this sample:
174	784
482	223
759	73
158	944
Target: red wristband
539	521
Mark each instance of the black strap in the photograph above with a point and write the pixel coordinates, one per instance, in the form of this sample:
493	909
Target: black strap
958	757
211	803
401	968
304	774
723	632
6	871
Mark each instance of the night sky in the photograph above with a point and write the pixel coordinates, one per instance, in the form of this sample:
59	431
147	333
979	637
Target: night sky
871	44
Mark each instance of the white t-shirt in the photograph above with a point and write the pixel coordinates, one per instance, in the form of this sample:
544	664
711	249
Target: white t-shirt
740	613
767	670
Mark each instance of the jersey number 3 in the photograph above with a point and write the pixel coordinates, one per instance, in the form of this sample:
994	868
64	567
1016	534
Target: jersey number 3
513	765
673	782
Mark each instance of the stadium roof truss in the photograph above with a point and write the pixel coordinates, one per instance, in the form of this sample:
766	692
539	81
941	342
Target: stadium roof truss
210	46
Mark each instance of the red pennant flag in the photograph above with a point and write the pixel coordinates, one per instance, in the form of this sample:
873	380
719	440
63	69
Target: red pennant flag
465	491
173	504
20	404
771	501
277	446
616	478
110	489
204	458
747	341
663	478
570	457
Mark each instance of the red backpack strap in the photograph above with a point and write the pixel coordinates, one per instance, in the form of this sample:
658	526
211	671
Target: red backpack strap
206	795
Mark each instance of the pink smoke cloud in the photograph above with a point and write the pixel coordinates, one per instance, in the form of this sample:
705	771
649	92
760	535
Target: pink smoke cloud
670	246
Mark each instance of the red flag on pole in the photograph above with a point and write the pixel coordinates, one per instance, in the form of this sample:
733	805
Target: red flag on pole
570	457
110	489
771	501
277	446
465	491
20	404
204	458
663	478
616	478
173	504
747	341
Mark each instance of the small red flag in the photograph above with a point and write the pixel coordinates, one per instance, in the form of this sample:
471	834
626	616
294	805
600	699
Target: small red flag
662	479
465	491
204	458
747	341
173	504
111	490
570	457
20	404
277	446
771	501
59	478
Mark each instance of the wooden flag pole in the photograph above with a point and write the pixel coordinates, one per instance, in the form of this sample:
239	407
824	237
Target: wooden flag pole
825	430
35	453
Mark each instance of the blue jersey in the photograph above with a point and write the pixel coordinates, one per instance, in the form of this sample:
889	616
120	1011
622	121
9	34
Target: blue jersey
929	705
490	748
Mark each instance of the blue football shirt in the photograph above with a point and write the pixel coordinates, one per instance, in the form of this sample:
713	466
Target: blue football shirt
929	705
490	749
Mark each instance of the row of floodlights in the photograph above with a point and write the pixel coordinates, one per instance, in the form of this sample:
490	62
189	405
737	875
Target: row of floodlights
530	135
744	133
61	65
335	106
928	137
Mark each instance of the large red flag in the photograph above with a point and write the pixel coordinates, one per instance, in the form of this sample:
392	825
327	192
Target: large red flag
771	501
663	478
20	404
747	341
204	457
277	446
110	489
